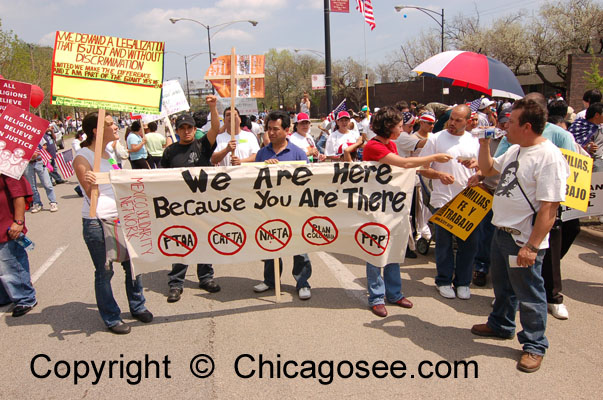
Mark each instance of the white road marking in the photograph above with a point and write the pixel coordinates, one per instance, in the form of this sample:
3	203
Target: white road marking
57	253
345	277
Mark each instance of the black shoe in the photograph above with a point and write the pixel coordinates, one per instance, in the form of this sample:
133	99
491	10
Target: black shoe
145	316
120	329
479	278
22	310
174	295
210	285
410	253
60	182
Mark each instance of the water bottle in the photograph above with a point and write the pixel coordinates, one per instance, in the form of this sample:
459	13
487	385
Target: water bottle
25	242
488	133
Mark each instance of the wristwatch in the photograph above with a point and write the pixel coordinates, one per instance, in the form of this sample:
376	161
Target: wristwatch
18	221
532	248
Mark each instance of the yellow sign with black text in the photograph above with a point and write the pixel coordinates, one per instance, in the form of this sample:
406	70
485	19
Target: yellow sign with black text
577	192
461	215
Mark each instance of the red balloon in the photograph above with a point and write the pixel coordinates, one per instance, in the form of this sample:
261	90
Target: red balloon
37	96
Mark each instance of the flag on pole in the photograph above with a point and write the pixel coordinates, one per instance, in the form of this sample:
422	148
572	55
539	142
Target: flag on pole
47	158
341	107
366	8
474	105
65	163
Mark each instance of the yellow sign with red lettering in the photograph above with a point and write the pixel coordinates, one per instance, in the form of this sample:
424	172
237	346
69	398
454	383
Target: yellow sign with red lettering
577	192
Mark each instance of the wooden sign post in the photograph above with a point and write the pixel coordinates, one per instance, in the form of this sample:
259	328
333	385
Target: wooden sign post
98	152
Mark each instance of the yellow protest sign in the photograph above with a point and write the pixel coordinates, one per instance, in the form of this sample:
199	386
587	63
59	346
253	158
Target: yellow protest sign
461	215
577	192
107	72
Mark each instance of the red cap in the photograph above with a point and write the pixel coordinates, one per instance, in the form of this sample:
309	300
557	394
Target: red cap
303	117
342	114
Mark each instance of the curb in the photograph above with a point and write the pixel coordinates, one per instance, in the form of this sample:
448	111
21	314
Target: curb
595	234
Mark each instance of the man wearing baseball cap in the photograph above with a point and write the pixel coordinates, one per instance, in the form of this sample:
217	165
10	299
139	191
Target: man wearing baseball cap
484	112
191	152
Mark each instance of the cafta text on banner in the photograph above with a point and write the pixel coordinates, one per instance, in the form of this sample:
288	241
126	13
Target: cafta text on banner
107	72
254	212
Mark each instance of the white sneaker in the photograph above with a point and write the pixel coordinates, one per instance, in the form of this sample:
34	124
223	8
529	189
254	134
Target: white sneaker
36	208
446	291
463	292
558	311
304	293
54	207
261	287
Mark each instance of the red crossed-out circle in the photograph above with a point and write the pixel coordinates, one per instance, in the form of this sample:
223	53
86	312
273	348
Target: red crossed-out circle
171	234
266	235
227	238
313	234
369	244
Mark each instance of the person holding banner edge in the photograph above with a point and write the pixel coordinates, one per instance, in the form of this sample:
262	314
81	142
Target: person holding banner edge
94	230
279	149
387	125
191	152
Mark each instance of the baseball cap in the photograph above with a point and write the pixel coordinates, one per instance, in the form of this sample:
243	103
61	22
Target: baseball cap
343	114
486	102
184	119
427	117
408	118
303	117
505	113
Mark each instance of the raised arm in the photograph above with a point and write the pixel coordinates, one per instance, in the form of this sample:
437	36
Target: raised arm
212	102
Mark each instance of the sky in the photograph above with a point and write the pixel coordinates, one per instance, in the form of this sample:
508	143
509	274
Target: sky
282	24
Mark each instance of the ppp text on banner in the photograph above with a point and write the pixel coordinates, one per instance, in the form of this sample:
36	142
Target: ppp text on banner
256	212
107	72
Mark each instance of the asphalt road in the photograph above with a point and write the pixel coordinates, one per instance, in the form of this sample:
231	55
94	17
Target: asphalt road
333	330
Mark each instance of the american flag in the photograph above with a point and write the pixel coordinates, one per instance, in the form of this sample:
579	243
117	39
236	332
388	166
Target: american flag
583	130
366	8
65	163
46	157
341	107
474	105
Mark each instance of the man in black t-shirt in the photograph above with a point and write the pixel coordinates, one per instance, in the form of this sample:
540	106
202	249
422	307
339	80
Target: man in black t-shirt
191	152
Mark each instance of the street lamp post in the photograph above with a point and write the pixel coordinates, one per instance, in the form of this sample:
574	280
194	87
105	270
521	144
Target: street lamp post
186	58
318	53
431	14
208	28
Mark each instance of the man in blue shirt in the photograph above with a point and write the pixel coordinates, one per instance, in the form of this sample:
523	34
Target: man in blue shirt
280	149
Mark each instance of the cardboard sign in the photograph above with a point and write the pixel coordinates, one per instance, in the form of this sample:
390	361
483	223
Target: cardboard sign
595	201
577	193
257	212
172	102
245	106
107	72
319	82
15	93
461	215
20	134
249	76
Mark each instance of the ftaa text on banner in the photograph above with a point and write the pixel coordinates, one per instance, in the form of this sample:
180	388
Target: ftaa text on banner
107	72
238	214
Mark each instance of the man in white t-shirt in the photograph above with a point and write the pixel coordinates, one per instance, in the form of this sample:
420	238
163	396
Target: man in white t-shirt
449	179
245	144
532	184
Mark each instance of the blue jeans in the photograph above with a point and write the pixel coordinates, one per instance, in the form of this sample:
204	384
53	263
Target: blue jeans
518	287
205	272
103	272
38	168
16	286
454	270
485	231
389	286
302	271
320	145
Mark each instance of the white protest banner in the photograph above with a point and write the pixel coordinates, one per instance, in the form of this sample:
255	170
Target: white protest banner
172	102
246	106
595	203
239	214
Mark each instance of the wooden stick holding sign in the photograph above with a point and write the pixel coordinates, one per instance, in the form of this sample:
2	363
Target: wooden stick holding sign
98	153
167	121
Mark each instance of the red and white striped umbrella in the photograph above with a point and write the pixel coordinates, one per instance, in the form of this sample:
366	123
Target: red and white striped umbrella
474	71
